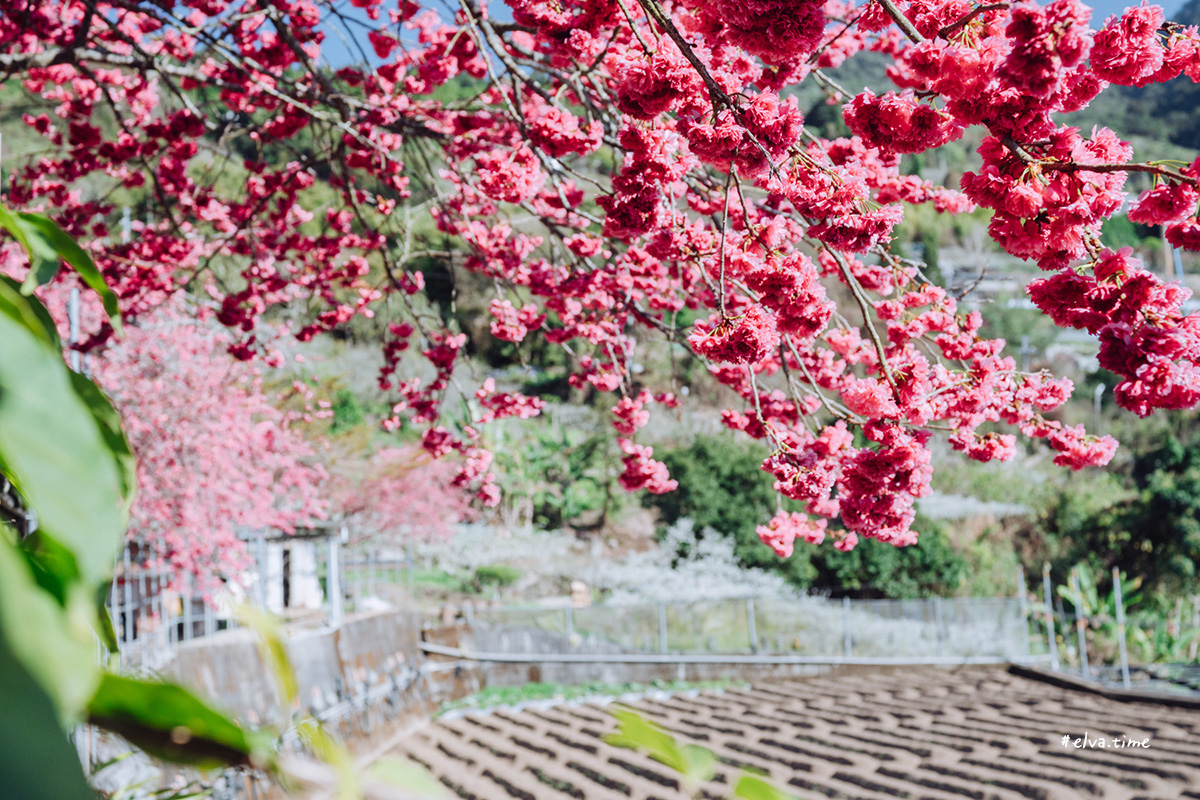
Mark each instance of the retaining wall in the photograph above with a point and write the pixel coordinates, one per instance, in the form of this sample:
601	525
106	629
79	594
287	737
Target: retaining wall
521	640
371	667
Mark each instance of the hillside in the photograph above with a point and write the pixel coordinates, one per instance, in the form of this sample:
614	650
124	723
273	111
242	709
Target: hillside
1168	112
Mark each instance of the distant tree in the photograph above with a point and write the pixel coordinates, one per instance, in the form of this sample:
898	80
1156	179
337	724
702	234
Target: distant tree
398	495
215	456
1151	529
721	493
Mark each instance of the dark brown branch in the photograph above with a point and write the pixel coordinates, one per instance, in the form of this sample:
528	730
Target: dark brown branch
715	93
20	62
1074	166
902	22
953	27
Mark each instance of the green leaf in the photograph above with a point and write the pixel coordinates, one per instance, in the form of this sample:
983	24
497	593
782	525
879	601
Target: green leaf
55	452
638	733
412	779
52	637
335	754
37	762
751	787
171	723
12	223
47	245
53	566
274	651
33	314
104	624
108	420
698	763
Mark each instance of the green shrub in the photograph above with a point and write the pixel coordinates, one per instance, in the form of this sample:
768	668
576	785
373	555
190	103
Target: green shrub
931	568
1146	521
562	476
723	488
497	575
347	411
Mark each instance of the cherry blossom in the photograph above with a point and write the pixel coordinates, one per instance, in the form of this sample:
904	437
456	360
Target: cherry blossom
628	176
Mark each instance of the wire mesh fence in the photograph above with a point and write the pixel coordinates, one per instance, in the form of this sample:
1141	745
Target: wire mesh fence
311	580
944	628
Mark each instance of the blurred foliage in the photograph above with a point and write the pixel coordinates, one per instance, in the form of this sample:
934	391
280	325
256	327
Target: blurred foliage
1120	232
69	479
66	458
1012	322
723	488
348	412
1144	519
494	575
694	764
557	475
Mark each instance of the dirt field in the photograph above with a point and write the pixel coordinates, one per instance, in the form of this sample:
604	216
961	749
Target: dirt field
909	733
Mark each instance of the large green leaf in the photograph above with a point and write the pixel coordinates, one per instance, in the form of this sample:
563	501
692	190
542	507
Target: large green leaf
751	787
33	314
47	245
52	638
271	645
12	223
36	762
53	566
108	420
54	450
638	733
170	722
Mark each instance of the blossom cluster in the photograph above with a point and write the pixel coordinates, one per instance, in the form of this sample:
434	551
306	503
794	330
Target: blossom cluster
619	168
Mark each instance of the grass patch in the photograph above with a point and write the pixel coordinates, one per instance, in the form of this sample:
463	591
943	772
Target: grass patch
500	696
436	579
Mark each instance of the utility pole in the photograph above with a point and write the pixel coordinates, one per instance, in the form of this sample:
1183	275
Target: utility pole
1026	350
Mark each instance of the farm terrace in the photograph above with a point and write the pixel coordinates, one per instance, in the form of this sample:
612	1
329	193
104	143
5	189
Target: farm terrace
913	732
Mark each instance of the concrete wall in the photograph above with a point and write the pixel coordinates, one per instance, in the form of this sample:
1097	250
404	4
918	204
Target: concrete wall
373	653
378	655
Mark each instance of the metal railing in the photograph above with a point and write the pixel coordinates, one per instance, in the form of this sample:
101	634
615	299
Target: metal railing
304	581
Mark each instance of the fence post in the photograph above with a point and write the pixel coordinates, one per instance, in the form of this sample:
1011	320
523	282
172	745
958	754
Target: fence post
1121	626
261	558
941	630
1080	624
753	628
210	621
333	582
73	326
847	641
187	608
1195	624
662	627
570	621
1050	616
128	634
1023	607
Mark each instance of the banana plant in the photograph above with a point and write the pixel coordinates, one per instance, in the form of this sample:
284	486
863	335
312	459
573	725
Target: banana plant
1100	610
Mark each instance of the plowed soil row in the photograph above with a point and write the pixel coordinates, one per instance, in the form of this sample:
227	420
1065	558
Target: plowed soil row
902	733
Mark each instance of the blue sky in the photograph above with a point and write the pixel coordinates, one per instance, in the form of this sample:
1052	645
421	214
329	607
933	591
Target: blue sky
1106	8
335	51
